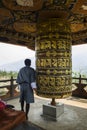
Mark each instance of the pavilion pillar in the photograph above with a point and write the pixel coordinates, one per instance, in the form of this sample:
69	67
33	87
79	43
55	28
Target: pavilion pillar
53	59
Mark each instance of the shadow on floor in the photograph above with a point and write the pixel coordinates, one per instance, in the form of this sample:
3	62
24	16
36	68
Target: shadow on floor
27	126
83	100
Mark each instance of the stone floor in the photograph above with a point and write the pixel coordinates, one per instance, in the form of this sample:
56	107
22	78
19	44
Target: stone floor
73	118
27	126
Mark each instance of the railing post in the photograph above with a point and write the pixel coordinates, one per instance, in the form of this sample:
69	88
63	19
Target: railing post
11	90
80	81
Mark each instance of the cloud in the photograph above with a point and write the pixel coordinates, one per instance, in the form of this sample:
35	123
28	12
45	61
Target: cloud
10	53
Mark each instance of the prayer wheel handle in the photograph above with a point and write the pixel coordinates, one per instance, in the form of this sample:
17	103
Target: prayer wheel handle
53	102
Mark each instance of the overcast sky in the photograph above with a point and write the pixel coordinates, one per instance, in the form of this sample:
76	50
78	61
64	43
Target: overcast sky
10	53
79	55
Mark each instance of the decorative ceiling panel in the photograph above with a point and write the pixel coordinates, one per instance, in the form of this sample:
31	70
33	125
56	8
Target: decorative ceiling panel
18	19
80	7
25	27
13	5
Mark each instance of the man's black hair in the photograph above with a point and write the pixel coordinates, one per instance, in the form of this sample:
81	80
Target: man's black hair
27	62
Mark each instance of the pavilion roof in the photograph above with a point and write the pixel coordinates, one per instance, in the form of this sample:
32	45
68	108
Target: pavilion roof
18	19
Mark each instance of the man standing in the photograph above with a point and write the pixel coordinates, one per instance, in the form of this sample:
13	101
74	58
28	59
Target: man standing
26	79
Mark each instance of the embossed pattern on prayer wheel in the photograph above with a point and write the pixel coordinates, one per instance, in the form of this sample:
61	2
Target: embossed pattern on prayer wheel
53	59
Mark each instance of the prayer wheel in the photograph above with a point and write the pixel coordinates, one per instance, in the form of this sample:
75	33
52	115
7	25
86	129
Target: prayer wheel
53	58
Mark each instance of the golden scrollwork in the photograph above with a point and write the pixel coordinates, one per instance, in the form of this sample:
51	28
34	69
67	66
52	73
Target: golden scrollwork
58	83
57	54
54	44
48	72
54	63
61	62
47	44
53	59
48	62
55	72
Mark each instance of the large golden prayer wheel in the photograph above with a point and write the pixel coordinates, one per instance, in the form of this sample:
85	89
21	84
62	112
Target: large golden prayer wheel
53	58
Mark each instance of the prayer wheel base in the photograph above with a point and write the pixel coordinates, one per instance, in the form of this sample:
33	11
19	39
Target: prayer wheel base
53	112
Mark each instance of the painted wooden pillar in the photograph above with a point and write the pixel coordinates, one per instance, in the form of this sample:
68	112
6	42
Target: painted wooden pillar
53	58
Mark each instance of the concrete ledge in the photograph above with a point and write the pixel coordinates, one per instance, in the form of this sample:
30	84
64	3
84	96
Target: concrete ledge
53	112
